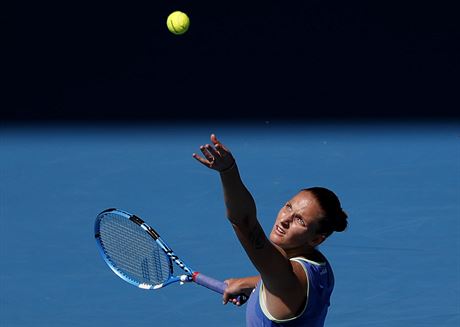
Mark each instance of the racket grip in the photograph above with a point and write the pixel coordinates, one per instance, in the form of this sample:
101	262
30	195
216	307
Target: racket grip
211	283
215	285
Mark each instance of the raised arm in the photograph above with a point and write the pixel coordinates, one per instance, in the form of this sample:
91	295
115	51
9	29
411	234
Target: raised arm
280	277
240	205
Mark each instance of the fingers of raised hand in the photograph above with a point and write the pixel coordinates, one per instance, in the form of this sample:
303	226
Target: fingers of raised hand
209	152
214	139
223	151
219	146
213	151
201	159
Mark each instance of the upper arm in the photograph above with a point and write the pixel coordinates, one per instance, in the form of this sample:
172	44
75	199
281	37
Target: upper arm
284	281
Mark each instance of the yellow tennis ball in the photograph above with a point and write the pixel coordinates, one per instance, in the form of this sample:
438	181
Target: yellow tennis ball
178	22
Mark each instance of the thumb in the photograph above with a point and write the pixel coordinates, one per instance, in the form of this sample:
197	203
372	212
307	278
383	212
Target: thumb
225	298
214	139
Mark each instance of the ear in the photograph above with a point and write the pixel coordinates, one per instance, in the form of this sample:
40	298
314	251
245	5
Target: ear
318	239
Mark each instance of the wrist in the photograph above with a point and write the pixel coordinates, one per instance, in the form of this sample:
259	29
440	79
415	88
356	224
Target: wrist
250	282
231	167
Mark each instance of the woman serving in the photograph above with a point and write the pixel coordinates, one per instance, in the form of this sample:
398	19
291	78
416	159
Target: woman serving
296	280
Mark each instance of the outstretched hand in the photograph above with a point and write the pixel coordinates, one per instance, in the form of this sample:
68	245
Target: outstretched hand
216	156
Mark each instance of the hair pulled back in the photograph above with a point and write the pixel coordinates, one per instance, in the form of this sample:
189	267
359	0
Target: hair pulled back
334	219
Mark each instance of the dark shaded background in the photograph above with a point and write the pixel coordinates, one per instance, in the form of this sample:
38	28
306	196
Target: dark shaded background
74	60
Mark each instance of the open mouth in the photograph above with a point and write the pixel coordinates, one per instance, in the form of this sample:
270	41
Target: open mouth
279	230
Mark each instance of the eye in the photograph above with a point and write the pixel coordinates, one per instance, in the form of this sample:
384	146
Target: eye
300	221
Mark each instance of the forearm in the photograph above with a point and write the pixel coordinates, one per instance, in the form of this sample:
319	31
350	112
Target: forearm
250	282
240	205
269	260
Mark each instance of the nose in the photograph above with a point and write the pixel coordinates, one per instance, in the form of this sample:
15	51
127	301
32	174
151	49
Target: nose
286	221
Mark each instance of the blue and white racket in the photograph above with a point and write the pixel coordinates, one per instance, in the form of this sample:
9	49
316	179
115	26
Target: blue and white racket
137	254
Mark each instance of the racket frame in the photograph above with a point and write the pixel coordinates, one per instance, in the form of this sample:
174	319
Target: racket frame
189	276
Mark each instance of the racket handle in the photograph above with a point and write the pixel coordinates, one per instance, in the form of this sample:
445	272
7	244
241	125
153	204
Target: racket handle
215	285
211	283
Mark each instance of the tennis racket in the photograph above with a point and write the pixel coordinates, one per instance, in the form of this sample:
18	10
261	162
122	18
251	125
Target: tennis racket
136	253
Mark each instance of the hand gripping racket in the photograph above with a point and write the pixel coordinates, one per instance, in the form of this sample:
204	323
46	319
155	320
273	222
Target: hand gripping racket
138	255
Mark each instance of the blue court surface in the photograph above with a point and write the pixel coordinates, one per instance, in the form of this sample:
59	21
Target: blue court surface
398	264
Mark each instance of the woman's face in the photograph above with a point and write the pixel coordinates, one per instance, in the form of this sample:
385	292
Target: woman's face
297	223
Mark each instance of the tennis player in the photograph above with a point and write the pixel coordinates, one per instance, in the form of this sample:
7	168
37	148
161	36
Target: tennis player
296	281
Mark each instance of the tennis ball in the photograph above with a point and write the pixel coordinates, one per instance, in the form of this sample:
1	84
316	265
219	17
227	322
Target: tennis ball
178	22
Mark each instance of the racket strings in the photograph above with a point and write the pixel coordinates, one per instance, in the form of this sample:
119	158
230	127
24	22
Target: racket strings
133	252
